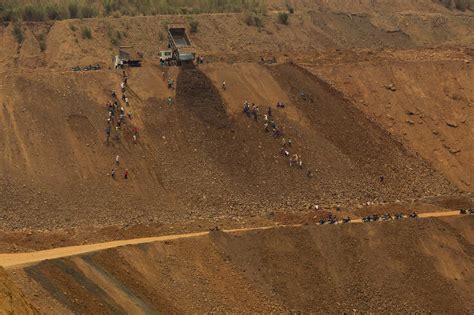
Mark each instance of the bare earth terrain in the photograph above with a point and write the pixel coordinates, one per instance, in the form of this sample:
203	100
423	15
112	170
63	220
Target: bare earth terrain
379	105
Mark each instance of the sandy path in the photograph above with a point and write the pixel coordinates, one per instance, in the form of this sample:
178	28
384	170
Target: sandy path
22	259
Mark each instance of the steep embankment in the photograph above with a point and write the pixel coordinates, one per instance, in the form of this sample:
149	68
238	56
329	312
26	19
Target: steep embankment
425	99
405	266
195	162
323	124
315	26
12	300
198	158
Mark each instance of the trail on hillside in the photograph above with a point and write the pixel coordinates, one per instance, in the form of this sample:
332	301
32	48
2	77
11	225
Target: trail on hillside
426	263
20	259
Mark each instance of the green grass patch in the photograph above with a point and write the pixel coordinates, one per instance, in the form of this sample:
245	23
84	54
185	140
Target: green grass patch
18	32
86	33
40	10
283	18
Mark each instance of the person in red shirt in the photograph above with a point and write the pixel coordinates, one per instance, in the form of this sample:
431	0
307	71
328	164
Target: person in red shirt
125	174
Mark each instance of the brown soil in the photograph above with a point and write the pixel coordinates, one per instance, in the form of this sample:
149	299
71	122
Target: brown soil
12	300
435	122
407	266
201	160
371	89
195	160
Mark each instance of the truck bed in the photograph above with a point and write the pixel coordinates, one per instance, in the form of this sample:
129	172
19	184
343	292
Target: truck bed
180	38
180	41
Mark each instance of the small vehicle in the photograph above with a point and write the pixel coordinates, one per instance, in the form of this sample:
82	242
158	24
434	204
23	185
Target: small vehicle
399	216
346	220
386	217
463	211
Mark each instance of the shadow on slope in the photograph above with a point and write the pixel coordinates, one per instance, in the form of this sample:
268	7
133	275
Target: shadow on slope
403	267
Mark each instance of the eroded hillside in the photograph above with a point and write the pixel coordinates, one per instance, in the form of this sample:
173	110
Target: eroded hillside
403	266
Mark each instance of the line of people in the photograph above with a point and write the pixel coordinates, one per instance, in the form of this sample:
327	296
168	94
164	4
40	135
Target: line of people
269	124
117	118
171	86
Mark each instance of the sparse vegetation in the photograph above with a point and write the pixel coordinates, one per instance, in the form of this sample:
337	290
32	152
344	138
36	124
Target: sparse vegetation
194	25
253	19
283	18
33	13
86	33
55	12
73	9
40	10
18	32
42	42
115	37
88	12
462	5
290	8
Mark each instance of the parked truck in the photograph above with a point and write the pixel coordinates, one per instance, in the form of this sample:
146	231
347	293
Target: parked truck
127	56
181	47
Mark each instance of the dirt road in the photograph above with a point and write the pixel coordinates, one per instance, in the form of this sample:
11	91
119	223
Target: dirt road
22	259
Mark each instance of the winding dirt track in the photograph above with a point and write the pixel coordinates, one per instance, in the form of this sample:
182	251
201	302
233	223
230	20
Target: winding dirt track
22	259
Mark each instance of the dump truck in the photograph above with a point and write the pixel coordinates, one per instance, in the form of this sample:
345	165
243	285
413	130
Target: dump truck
166	56
127	56
180	44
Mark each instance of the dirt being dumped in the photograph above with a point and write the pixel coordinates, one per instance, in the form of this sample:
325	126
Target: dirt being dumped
201	159
378	106
199	97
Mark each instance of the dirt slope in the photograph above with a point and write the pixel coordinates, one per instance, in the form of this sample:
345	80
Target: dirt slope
369	6
12	300
316	26
428	105
372	88
22	259
409	266
199	158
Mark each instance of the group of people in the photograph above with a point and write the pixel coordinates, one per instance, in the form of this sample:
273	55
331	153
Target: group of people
117	116
171	86
269	124
116	112
117	164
